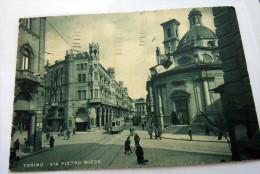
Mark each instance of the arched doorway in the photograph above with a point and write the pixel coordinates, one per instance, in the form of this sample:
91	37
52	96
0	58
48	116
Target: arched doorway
82	120
181	112
23	105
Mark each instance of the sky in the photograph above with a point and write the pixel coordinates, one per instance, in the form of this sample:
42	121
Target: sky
127	41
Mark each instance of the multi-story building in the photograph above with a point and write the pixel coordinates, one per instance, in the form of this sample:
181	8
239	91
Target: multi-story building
82	94
29	81
141	112
236	93
179	87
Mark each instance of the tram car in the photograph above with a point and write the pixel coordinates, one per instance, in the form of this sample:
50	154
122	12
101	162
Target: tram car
117	125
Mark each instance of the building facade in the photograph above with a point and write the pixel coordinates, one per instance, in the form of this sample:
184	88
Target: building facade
82	94
179	90
236	93
29	81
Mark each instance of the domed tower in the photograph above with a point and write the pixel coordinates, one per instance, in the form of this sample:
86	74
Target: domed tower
195	18
171	35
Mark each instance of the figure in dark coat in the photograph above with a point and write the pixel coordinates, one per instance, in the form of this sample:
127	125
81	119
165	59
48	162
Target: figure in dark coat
140	154
127	146
48	136
137	139
207	130
143	126
51	142
190	134
150	131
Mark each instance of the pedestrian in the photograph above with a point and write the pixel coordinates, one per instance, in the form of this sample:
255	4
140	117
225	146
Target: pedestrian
17	144
220	135
48	136
155	132
159	132
130	130
127	146
68	134
207	130
74	131
137	139
143	126
140	154
51	142
150	132
65	135
190	134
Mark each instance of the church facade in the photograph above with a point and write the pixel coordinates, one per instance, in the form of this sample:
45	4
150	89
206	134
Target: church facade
179	90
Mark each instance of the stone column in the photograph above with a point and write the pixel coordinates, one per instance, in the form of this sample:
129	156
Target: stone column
31	133
160	107
206	90
100	116
104	115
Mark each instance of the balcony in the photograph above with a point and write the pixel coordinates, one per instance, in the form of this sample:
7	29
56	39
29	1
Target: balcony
95	101
28	77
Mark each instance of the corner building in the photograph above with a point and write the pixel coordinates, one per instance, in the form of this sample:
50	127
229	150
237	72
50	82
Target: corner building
29	82
179	90
82	94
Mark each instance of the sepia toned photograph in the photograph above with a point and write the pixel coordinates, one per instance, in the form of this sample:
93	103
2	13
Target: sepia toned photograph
127	90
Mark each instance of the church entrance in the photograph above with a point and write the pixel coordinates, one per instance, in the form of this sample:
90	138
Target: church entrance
180	115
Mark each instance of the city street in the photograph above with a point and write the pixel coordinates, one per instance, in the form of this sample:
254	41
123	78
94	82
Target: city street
99	149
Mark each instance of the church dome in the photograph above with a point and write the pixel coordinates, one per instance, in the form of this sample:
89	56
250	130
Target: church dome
196	33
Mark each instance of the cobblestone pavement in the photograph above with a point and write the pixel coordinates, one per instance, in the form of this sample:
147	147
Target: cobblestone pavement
91	150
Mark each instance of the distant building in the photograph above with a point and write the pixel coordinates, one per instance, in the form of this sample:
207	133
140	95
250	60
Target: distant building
29	81
140	106
82	94
180	83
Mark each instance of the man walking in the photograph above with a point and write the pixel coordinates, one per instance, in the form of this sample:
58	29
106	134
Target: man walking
137	139
140	154
127	146
150	132
190	134
51	142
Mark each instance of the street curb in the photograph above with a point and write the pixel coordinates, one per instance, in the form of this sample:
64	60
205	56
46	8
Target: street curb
35	153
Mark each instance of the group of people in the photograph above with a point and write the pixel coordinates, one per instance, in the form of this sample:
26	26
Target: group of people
157	131
138	148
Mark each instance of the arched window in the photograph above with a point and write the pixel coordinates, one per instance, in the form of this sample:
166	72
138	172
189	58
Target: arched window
169	32
25	62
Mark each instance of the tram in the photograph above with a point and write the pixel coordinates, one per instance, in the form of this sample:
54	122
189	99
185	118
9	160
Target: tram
117	125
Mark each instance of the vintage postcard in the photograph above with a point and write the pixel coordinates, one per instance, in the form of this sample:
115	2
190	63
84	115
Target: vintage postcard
140	89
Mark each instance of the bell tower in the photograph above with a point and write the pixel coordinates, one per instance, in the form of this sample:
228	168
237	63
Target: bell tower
171	35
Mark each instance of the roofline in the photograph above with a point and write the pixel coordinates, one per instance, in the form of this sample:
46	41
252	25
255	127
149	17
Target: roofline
170	21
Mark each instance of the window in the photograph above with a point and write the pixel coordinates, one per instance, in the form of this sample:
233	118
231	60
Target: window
95	65
84	94
60	80
96	93
61	70
51	83
51	74
79	94
81	67
27	23
78	66
91	93
79	78
95	76
84	77
169	32
85	65
61	95
55	96
57	73
25	65
176	31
